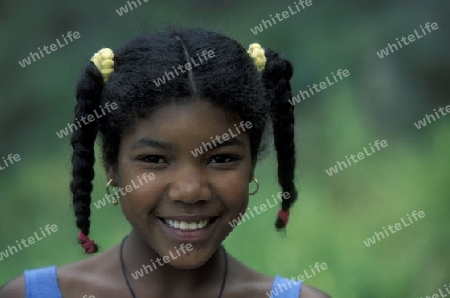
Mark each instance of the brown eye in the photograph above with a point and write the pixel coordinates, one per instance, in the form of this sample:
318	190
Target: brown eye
223	158
153	159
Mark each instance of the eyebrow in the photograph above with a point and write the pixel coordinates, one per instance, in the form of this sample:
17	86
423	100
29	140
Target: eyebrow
230	142
148	142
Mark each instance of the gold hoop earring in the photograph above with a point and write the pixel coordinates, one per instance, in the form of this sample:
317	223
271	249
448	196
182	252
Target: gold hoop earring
114	202
257	186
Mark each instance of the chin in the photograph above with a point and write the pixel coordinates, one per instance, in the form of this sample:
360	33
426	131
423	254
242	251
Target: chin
188	265
192	259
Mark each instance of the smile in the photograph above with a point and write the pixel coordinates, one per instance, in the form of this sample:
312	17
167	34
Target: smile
183	225
192	229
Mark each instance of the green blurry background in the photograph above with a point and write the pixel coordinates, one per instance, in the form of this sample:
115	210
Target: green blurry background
381	99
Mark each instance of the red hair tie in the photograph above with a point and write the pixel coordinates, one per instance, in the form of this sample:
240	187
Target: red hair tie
86	243
284	215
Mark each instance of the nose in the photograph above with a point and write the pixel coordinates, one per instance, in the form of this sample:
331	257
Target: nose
189	187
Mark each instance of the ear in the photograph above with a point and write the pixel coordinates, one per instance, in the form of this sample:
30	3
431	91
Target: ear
252	171
111	173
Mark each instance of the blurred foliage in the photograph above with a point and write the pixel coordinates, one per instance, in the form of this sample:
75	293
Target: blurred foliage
381	99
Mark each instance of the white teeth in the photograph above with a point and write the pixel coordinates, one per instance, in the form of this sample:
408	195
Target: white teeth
182	225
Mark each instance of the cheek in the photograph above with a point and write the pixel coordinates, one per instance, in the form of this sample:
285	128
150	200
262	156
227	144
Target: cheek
129	174
142	197
138	205
232	188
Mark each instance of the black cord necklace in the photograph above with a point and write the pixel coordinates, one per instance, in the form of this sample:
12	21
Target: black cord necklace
122	262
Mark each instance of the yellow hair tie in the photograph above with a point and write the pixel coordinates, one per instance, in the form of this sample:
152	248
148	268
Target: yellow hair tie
103	59
257	53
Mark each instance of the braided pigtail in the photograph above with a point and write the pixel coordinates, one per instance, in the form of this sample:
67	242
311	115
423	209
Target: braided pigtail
276	76
89	91
83	158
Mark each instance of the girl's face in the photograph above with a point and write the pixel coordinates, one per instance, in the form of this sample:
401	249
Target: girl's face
190	199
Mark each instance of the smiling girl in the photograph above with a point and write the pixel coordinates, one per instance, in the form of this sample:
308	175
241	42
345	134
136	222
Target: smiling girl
181	217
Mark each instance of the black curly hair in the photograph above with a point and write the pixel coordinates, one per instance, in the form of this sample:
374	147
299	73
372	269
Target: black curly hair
230	80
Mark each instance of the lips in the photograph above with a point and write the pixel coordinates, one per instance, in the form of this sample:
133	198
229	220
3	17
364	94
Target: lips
192	228
188	222
184	225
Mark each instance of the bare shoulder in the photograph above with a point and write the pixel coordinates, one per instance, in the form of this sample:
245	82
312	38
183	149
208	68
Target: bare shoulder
95	276
311	292
246	282
13	289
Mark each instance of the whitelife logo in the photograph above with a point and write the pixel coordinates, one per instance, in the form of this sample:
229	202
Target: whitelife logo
33	56
259	209
164	259
220	139
129	188
323	85
90	118
183	68
440	294
124	9
411	38
360	155
301	278
10	158
26	243
422	123
281	16
398	226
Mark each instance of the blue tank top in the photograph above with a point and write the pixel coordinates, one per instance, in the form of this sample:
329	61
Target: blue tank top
43	283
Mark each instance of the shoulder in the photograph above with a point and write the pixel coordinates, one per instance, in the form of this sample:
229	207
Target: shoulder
96	276
246	282
93	275
13	289
284	287
311	292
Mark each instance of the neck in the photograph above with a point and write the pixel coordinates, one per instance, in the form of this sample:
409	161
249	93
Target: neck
137	253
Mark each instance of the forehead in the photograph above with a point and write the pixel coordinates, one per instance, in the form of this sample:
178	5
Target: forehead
190	113
177	121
